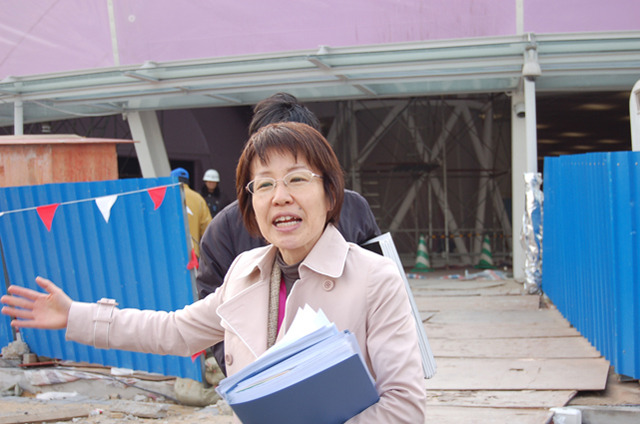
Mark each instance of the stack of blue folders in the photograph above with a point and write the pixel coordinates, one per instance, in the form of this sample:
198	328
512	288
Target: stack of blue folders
311	376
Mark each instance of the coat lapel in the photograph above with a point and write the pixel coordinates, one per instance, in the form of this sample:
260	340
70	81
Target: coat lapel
329	255
245	308
246	316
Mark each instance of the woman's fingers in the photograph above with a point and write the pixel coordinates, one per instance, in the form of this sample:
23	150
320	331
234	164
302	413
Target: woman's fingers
17	313
47	285
23	292
35	309
18	302
19	306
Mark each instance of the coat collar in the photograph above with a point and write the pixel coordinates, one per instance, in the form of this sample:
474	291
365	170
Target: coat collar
327	257
329	254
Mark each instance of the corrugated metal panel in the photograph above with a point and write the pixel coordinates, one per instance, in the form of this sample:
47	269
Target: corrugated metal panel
591	250
139	257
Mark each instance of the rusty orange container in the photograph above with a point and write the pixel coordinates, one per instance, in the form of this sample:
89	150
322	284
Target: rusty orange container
57	158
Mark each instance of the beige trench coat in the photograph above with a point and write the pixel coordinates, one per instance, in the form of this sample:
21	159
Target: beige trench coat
358	290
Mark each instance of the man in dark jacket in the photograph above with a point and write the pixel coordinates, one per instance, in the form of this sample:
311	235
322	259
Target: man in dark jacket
225	237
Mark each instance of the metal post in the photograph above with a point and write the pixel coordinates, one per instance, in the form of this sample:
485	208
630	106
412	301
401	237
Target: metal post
150	147
530	123
18	118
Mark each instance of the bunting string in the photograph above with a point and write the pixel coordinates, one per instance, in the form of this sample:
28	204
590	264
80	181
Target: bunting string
104	203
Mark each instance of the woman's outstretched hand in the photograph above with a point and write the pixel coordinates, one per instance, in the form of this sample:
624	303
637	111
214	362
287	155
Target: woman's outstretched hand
33	309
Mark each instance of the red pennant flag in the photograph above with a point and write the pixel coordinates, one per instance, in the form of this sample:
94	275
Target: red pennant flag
157	195
193	263
195	355
46	214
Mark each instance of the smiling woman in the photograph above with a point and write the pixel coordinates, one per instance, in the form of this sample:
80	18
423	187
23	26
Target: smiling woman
290	190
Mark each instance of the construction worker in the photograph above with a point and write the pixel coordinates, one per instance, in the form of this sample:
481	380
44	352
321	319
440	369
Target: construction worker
211	193
198	213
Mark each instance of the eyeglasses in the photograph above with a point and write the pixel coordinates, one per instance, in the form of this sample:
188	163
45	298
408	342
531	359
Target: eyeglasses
293	181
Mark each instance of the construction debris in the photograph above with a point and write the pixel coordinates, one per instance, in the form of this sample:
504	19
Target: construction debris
15	350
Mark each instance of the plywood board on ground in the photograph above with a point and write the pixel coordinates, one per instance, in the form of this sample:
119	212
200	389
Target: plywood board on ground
497	330
486	317
519	374
480	292
541	347
457	415
53	413
439	284
465	288
483	303
500	398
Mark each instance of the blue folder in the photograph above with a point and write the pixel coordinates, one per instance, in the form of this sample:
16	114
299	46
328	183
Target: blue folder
325	381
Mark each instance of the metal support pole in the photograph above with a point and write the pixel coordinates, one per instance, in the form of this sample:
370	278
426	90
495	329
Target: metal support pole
150	147
524	159
530	123
634	114
18	118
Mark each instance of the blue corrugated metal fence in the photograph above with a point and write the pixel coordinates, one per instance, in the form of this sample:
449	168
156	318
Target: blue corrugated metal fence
591	262
138	257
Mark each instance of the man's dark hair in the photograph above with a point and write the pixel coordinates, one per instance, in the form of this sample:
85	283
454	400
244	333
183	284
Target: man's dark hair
281	107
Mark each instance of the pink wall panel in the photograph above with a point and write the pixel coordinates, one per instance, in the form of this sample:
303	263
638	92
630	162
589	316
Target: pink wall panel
50	36
553	16
177	30
41	36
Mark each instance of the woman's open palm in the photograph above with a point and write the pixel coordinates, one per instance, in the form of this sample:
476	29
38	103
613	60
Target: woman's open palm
34	309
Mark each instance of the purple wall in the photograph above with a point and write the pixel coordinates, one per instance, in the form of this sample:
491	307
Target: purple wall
44	36
53	36
553	16
222	28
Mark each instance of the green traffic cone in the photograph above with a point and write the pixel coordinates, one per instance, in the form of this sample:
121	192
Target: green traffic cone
422	258
486	260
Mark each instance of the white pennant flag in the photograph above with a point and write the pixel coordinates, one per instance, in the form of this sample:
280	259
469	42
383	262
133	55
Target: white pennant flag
105	203
189	211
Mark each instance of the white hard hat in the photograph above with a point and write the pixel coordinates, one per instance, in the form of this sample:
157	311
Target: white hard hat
211	175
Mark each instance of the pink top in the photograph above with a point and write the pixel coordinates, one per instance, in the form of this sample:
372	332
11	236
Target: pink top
282	302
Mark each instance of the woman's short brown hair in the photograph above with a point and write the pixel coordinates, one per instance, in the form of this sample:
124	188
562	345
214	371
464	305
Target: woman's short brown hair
300	140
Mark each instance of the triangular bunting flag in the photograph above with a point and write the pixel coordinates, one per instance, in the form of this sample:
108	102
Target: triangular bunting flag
157	195
46	214
193	263
189	211
105	203
195	355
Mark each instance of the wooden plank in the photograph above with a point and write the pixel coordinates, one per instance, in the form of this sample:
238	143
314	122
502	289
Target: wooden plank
465	288
488	292
486	317
457	415
519	374
482	303
496	330
440	284
54	413
500	398
541	347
